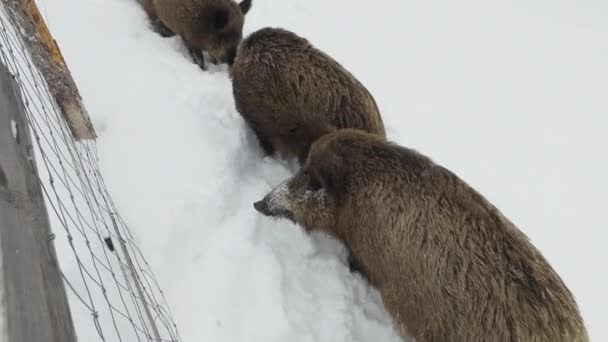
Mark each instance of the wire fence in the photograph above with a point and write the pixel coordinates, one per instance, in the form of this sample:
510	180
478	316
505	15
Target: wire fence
113	294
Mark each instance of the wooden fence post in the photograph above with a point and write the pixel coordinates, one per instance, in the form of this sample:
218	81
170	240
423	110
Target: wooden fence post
36	302
48	59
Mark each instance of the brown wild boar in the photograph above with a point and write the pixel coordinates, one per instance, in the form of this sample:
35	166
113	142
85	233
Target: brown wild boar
448	264
212	26
290	93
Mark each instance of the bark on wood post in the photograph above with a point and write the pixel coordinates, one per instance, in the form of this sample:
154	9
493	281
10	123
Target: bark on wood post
36	303
48	59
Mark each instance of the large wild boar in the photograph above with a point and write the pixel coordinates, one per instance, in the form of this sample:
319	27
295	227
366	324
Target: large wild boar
290	93
449	266
212	26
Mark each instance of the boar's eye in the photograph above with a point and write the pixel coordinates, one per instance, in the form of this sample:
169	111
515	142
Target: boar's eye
219	18
314	183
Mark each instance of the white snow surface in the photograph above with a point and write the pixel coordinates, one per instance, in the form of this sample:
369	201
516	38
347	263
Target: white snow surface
512	96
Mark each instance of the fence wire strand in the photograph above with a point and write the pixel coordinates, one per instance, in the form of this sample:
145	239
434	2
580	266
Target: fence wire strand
106	275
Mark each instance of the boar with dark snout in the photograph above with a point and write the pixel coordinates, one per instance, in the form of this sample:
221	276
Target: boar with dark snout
212	26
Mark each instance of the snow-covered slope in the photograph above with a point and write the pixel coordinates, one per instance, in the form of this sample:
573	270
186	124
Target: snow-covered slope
509	95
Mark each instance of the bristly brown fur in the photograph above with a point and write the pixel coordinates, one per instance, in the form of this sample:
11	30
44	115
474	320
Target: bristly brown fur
290	93
449	265
213	26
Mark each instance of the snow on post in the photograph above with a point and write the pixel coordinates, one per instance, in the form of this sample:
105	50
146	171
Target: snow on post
47	57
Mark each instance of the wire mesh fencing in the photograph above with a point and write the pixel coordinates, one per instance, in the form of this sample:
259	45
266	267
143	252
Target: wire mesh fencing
113	294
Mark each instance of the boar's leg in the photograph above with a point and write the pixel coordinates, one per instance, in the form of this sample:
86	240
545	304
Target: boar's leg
264	142
355	266
161	28
267	147
157	25
197	56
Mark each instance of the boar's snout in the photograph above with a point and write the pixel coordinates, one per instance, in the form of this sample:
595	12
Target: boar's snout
230	55
262	207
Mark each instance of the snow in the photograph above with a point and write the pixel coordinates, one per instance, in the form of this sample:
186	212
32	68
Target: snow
14	128
509	95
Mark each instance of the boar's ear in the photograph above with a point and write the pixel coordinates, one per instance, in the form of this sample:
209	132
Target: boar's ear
330	171
245	6
218	18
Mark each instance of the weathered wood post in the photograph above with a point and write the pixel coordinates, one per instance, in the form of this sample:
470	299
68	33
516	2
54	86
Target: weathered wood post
48	59
36	303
